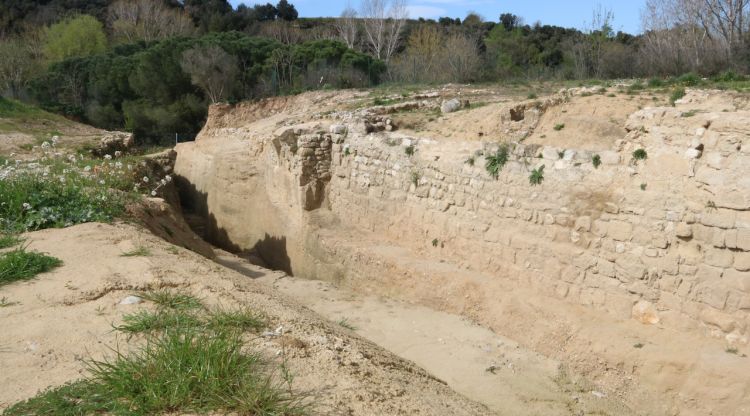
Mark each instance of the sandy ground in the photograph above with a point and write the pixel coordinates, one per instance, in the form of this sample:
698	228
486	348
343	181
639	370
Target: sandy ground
64	317
474	361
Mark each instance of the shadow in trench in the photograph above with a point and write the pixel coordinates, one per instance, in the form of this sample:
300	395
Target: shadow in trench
271	250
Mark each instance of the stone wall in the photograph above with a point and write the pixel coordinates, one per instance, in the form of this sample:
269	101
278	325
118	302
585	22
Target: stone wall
663	240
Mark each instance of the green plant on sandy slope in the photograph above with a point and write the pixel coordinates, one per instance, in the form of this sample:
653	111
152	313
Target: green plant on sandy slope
415	177
676	95
537	176
494	163
20	264
409	150
172	299
140	251
640	154
558	127
596	160
183	370
346	324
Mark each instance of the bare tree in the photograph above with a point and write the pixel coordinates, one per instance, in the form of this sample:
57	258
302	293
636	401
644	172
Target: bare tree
460	58
133	20
20	60
212	69
685	35
383	23
347	27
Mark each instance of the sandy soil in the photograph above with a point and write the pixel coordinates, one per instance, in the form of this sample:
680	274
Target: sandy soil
64	317
474	361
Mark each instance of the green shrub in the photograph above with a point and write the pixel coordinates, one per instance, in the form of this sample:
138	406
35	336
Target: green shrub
640	154
676	95
655	82
495	163
690	79
559	127
596	160
531	96
409	150
537	176
729	76
33	202
20	264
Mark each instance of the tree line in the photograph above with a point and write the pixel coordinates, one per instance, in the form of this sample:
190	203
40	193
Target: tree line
153	66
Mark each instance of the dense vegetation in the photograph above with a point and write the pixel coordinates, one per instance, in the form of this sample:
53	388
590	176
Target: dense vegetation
153	66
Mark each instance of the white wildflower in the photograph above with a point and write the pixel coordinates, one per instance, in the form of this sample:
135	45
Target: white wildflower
45	145
168	178
101	181
145	179
163	181
108	157
26	206
118	153
153	193
87	168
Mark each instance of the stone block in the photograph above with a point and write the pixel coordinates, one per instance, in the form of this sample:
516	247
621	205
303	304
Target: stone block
738	280
620	230
742	261
718	258
683	230
609	157
743	239
719	218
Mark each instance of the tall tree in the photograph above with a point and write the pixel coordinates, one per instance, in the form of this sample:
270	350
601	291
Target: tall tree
212	69
148	20
383	23
286	11
79	36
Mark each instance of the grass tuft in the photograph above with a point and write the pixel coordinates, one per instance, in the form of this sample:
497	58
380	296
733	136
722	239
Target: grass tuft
495	163
9	240
172	300
140	251
182	371
20	264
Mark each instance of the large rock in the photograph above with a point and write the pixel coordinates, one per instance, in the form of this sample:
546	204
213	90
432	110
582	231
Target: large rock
450	106
114	142
645	313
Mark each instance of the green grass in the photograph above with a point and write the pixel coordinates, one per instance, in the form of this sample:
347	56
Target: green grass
172	299
537	176
240	319
559	127
140	251
9	240
346	324
676	95
495	163
20	264
148	322
184	370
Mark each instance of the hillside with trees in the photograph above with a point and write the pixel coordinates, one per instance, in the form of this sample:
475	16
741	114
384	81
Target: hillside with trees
153	66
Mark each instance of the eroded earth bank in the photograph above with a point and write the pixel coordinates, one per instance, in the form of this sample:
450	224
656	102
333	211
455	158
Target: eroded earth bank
627	263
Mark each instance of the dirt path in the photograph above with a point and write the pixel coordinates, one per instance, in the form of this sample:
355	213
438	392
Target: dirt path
474	361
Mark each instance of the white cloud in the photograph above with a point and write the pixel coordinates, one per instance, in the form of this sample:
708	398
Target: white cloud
428	12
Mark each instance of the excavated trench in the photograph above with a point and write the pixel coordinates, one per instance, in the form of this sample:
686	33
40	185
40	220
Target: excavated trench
596	275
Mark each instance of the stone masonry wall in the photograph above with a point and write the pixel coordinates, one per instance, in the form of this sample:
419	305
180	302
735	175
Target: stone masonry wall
666	239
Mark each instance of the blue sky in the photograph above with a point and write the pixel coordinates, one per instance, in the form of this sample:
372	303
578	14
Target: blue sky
567	13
